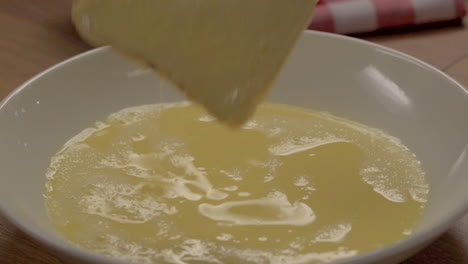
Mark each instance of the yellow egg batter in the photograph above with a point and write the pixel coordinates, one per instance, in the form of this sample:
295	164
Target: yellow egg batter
166	183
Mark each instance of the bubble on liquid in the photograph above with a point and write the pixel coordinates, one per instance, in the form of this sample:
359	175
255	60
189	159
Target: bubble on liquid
407	232
231	188
268	178
207	118
274	131
301	181
130	163
379	180
295	245
233	174
192	250
295	145
334	234
84	134
124	250
217	195
138	137
399	177
137	114
122	203
181	185
170	210
280	196
289	256
175	237
282	212
252	124
49	187
420	193
392	195
270	165
224	237
371	169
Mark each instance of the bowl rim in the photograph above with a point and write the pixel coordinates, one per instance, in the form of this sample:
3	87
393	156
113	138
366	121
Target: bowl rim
419	238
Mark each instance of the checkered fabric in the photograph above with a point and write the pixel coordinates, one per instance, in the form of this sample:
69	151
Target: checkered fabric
359	16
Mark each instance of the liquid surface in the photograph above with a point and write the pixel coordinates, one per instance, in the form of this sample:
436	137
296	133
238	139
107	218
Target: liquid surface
168	184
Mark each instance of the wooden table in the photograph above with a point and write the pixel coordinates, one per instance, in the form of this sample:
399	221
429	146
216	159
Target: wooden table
37	34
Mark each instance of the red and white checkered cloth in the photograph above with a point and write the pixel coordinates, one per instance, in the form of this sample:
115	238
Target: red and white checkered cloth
359	16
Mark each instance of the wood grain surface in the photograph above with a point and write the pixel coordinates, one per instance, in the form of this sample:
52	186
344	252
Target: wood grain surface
36	34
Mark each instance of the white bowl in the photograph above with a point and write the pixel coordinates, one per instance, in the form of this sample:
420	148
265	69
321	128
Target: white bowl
351	78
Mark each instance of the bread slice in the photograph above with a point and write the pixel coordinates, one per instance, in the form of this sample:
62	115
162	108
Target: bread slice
223	54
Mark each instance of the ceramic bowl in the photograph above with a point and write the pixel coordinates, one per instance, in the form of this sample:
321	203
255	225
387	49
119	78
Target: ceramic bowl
347	77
